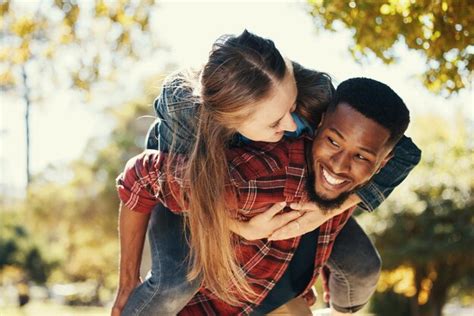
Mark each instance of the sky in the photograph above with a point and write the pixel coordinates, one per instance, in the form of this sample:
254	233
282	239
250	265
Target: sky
62	125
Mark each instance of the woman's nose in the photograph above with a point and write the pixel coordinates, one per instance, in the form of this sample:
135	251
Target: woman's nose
288	123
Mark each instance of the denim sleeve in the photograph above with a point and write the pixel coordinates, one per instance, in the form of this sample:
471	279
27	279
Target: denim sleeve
175	126
406	156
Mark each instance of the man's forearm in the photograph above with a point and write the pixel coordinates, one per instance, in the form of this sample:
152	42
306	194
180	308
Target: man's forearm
132	230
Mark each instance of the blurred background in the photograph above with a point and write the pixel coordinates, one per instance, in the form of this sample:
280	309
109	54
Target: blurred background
77	79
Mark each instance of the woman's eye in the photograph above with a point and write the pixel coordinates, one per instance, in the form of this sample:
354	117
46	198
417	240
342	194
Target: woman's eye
332	142
275	125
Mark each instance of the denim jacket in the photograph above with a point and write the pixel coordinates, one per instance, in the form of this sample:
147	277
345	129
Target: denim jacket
177	110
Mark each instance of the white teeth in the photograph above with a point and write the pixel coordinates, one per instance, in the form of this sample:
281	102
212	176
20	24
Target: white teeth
331	179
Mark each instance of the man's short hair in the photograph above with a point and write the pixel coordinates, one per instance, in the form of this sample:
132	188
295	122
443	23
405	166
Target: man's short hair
376	101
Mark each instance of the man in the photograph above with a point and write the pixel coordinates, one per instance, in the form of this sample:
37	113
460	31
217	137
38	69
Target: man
353	141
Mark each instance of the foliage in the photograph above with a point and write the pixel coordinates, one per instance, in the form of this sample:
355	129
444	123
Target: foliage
78	219
442	31
19	249
389	303
71	44
427	227
95	36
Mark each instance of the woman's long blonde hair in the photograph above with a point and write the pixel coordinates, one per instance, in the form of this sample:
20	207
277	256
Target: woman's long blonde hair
241	70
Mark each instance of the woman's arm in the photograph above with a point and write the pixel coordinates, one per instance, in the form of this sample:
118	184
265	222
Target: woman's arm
132	230
263	225
177	111
312	218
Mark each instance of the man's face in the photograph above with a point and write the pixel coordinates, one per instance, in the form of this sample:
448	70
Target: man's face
348	149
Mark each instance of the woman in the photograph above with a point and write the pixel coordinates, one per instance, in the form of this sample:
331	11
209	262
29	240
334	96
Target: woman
246	92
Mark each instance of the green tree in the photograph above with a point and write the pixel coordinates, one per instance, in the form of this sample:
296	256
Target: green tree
427	228
19	249
78	218
72	44
442	31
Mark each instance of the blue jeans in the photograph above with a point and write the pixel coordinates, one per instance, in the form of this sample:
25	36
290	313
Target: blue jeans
166	289
354	265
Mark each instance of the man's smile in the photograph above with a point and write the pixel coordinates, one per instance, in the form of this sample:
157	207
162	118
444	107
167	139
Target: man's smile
331	183
332	180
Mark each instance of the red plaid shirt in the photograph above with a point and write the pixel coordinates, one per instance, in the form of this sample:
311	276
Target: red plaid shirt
262	174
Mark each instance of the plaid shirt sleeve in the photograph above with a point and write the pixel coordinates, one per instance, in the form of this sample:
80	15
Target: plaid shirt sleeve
143	184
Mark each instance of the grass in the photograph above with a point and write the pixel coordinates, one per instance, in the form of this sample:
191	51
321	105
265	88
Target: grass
37	308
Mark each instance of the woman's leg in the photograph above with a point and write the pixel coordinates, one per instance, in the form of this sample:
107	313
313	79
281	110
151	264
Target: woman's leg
166	290
354	267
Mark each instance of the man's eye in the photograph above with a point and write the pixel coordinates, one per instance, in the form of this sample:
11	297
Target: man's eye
275	125
332	142
360	157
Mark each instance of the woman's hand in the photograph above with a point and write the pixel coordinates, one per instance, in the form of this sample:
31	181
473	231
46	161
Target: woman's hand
264	224
313	217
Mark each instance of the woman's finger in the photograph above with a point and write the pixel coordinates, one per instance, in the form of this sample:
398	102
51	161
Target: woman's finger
305	206
290	230
285	218
274	209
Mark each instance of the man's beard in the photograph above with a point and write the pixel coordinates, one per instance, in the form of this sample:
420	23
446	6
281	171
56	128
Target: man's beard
324	204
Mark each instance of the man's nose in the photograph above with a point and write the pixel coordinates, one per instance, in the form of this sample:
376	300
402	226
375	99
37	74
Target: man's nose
341	162
288	123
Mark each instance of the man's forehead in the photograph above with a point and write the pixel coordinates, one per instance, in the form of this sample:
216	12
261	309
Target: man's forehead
353	126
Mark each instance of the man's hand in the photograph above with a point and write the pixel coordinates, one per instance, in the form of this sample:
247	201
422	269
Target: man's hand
312	218
123	293
264	224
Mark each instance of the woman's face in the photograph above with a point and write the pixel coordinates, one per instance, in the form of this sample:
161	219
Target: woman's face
271	117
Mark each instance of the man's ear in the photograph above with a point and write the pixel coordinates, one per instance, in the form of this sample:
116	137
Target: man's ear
385	160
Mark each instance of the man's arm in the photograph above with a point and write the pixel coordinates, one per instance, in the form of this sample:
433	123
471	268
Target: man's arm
132	230
145	182
139	190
